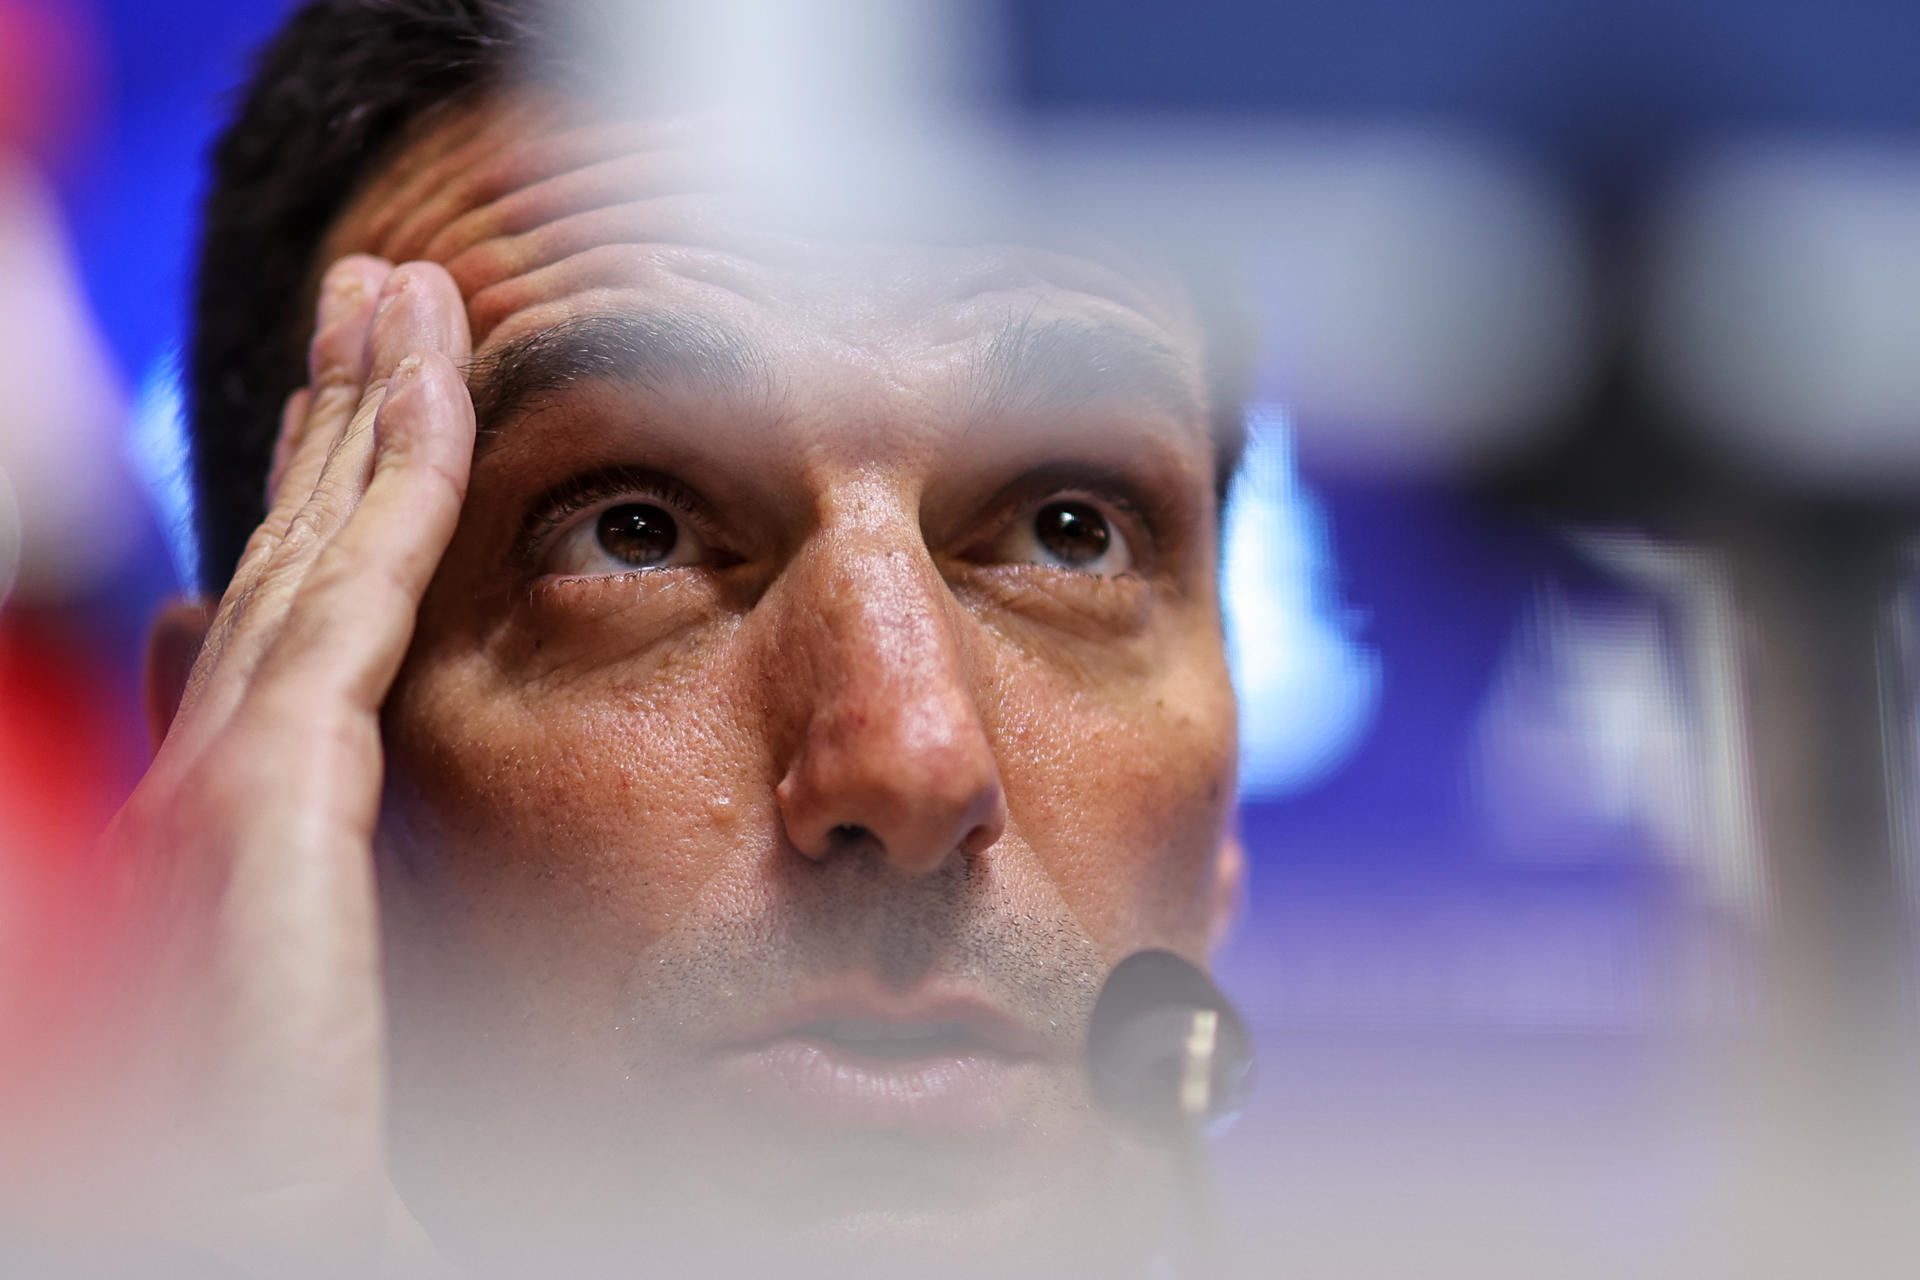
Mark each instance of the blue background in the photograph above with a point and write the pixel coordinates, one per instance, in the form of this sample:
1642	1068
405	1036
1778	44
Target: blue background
1606	98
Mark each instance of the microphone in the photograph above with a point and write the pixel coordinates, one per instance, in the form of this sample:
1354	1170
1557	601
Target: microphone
1170	1057
1167	1052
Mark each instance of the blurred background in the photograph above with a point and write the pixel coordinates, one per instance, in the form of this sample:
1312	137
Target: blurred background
1570	576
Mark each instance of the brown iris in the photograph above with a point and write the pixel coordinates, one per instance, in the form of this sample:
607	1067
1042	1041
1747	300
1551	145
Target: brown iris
1074	533
638	533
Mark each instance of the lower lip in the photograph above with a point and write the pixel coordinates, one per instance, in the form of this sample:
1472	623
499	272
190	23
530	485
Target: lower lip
818	1082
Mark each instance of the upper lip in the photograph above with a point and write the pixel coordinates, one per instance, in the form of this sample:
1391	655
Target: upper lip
983	1023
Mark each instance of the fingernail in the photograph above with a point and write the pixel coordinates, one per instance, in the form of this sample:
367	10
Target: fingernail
340	292
390	292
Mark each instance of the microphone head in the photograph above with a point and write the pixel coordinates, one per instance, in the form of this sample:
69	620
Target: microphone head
1166	1050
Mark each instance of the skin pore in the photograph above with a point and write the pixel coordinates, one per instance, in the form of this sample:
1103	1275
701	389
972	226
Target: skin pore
828	624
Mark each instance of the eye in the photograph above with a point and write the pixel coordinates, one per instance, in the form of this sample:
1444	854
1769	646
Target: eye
637	533
626	535
1074	533
1068	533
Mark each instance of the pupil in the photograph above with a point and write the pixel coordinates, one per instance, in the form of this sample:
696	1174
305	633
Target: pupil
639	533
1072	532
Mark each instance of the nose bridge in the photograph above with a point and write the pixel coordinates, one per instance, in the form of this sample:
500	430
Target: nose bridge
891	747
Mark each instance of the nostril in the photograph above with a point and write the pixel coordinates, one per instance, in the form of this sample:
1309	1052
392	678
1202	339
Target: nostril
849	833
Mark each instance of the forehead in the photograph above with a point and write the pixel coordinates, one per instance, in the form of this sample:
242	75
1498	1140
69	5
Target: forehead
542	219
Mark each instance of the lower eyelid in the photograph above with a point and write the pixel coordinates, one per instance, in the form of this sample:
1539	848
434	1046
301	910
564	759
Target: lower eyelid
663	598
1090	605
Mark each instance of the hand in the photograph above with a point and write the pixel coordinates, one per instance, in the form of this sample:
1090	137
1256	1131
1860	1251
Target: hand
247	846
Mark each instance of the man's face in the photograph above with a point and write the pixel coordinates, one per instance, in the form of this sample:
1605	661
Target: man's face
824	688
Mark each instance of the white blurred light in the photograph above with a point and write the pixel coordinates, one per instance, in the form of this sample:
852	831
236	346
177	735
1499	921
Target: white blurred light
1427	300
860	116
1785	311
56	434
796	62
1307	689
1430	295
1429	305
1587	728
157	451
1627	718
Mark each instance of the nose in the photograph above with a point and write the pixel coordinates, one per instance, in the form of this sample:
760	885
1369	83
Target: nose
892	751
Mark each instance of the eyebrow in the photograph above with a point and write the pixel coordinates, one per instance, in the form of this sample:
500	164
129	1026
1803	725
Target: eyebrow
1026	365
648	349
1069	362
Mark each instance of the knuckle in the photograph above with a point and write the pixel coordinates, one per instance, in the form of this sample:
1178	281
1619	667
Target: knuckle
282	577
304	533
274	527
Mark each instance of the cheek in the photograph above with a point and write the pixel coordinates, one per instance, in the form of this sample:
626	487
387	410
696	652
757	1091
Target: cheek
567	823
562	823
1124	794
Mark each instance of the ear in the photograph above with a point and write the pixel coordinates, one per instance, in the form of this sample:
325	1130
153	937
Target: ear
1229	889
173	643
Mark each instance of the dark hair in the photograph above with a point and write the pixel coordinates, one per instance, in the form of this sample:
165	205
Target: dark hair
330	97
335	93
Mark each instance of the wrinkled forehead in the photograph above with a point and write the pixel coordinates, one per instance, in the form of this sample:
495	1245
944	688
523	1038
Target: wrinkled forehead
540	218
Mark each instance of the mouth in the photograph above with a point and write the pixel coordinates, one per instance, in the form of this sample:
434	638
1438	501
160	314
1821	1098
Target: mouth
952	1067
890	1041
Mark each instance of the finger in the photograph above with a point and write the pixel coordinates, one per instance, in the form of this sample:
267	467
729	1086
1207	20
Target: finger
336	360
348	629
415	306
419	310
424	312
293	420
313	416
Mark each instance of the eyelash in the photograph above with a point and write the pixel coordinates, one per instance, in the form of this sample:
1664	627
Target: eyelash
555	508
1071	482
565	500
